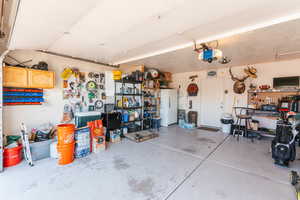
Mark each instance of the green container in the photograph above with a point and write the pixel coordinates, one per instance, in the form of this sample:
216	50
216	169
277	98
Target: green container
82	118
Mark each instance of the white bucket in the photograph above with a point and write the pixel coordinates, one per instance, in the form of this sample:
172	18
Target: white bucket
53	150
226	128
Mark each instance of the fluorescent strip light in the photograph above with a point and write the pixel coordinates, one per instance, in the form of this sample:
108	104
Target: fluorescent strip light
288	55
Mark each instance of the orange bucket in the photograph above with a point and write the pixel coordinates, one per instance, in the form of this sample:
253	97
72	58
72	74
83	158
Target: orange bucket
65	133
65	153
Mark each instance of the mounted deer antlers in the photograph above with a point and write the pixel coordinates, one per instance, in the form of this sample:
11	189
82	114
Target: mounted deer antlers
239	85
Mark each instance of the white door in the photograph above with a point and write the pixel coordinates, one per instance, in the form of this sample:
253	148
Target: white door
164	107
168	107
211	101
173	106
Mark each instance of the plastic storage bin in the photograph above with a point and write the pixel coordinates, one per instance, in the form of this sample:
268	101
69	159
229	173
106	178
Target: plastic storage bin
156	123
40	150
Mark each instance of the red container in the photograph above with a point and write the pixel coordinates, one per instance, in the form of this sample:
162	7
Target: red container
12	156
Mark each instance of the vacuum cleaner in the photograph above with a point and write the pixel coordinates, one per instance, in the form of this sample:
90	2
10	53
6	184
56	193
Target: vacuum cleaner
283	145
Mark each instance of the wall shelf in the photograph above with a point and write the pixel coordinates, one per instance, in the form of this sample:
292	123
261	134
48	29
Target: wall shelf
274	91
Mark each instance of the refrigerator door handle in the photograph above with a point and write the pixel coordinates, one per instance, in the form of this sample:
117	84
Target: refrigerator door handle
169	102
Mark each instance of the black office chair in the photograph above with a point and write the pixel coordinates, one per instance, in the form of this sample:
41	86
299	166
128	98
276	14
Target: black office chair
243	113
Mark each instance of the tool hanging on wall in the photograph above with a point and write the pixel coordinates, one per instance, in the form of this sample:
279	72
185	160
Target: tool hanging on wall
102	78
91	108
91	96
97	78
77	107
82	77
101	87
103	96
66	74
83	101
91	86
91	75
25	142
98	105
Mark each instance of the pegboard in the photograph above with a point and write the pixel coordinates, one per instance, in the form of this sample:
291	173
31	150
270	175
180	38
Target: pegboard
85	91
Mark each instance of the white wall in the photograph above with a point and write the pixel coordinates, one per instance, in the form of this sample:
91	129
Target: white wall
265	72
52	109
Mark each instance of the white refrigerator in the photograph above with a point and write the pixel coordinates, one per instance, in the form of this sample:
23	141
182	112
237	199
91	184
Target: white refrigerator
168	106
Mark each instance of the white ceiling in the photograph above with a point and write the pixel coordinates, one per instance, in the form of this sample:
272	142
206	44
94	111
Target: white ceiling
119	31
277	42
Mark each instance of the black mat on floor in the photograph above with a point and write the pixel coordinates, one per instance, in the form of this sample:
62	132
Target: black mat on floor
209	129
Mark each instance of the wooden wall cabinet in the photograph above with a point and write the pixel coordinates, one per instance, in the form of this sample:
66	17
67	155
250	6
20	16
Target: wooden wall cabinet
28	78
41	79
15	77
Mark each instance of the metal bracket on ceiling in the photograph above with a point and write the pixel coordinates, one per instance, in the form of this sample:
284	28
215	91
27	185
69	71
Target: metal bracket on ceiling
202	47
205	46
77	58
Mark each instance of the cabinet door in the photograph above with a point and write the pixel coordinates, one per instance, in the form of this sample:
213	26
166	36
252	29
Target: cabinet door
15	77
41	79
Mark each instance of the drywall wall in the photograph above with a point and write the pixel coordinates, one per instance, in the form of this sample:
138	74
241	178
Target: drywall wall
51	111
265	72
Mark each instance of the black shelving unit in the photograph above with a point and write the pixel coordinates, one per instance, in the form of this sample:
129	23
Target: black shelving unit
125	94
129	108
151	94
119	94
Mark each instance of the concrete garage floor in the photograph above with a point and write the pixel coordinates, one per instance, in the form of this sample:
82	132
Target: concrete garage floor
180	164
